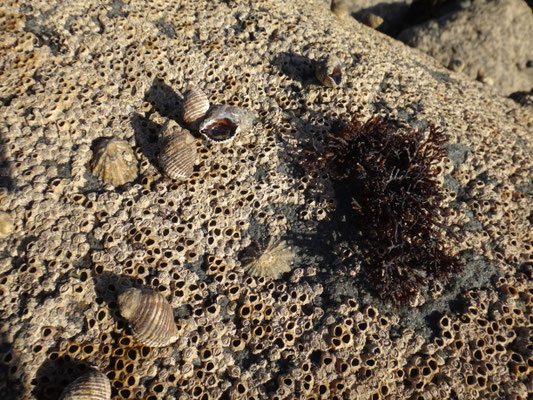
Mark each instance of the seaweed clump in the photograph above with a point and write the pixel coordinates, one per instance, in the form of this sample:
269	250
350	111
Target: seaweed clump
387	183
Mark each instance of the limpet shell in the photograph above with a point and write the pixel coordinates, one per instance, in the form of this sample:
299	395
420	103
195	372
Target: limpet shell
150	316
270	262
178	155
114	162
329	71
223	123
91	386
6	225
195	105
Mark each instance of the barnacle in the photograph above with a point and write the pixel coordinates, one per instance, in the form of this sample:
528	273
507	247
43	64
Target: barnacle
271	261
386	180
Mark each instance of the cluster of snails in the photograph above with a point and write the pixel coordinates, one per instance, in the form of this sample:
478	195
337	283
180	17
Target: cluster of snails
114	161
218	124
152	324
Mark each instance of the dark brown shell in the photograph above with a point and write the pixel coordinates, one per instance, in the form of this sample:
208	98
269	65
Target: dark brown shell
178	155
91	386
150	316
195	105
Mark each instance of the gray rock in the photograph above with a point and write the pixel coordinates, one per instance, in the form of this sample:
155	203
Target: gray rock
489	41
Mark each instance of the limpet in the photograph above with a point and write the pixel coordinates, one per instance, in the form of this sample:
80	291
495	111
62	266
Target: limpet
114	162
91	386
150	316
223	123
271	261
329	71
178	155
195	105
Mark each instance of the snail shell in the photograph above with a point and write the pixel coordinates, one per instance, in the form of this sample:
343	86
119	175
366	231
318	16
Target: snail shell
150	316
223	123
195	105
329	71
178	155
91	386
114	162
6	225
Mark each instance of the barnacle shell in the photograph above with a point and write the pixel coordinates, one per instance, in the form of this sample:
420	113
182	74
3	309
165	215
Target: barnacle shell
178	155
274	260
91	386
223	123
195	105
6	225
150	317
329	71
114	162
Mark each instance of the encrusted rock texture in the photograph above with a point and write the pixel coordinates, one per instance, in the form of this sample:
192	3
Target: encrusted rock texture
73	72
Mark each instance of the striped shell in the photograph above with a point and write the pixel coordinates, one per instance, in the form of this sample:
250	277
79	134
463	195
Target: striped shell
91	386
114	162
329	71
272	261
195	105
223	123
178	155
150	316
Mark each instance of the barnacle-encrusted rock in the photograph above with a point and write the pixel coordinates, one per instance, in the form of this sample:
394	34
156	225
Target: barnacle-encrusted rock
271	262
6	225
91	386
150	317
178	155
329	71
195	105
114	162
223	123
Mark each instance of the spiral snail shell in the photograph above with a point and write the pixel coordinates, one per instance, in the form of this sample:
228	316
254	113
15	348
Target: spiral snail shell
195	105
150	316
178	155
329	71
91	386
223	123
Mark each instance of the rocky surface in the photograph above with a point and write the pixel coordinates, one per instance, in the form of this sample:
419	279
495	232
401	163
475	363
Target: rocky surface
73	73
485	40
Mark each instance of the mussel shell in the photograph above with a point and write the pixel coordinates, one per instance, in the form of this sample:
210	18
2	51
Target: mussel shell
225	122
178	155
150	316
91	386
329	71
195	105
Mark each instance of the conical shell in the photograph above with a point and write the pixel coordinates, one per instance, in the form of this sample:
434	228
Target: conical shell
6	225
195	105
223	123
114	162
150	316
329	71
178	155
91	386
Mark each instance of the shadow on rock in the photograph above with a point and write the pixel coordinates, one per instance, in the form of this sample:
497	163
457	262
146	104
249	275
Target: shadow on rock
165	100
297	67
147	135
54	375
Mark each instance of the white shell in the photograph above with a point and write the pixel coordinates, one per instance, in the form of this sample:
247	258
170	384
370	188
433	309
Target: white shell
195	105
223	123
150	317
178	155
91	386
